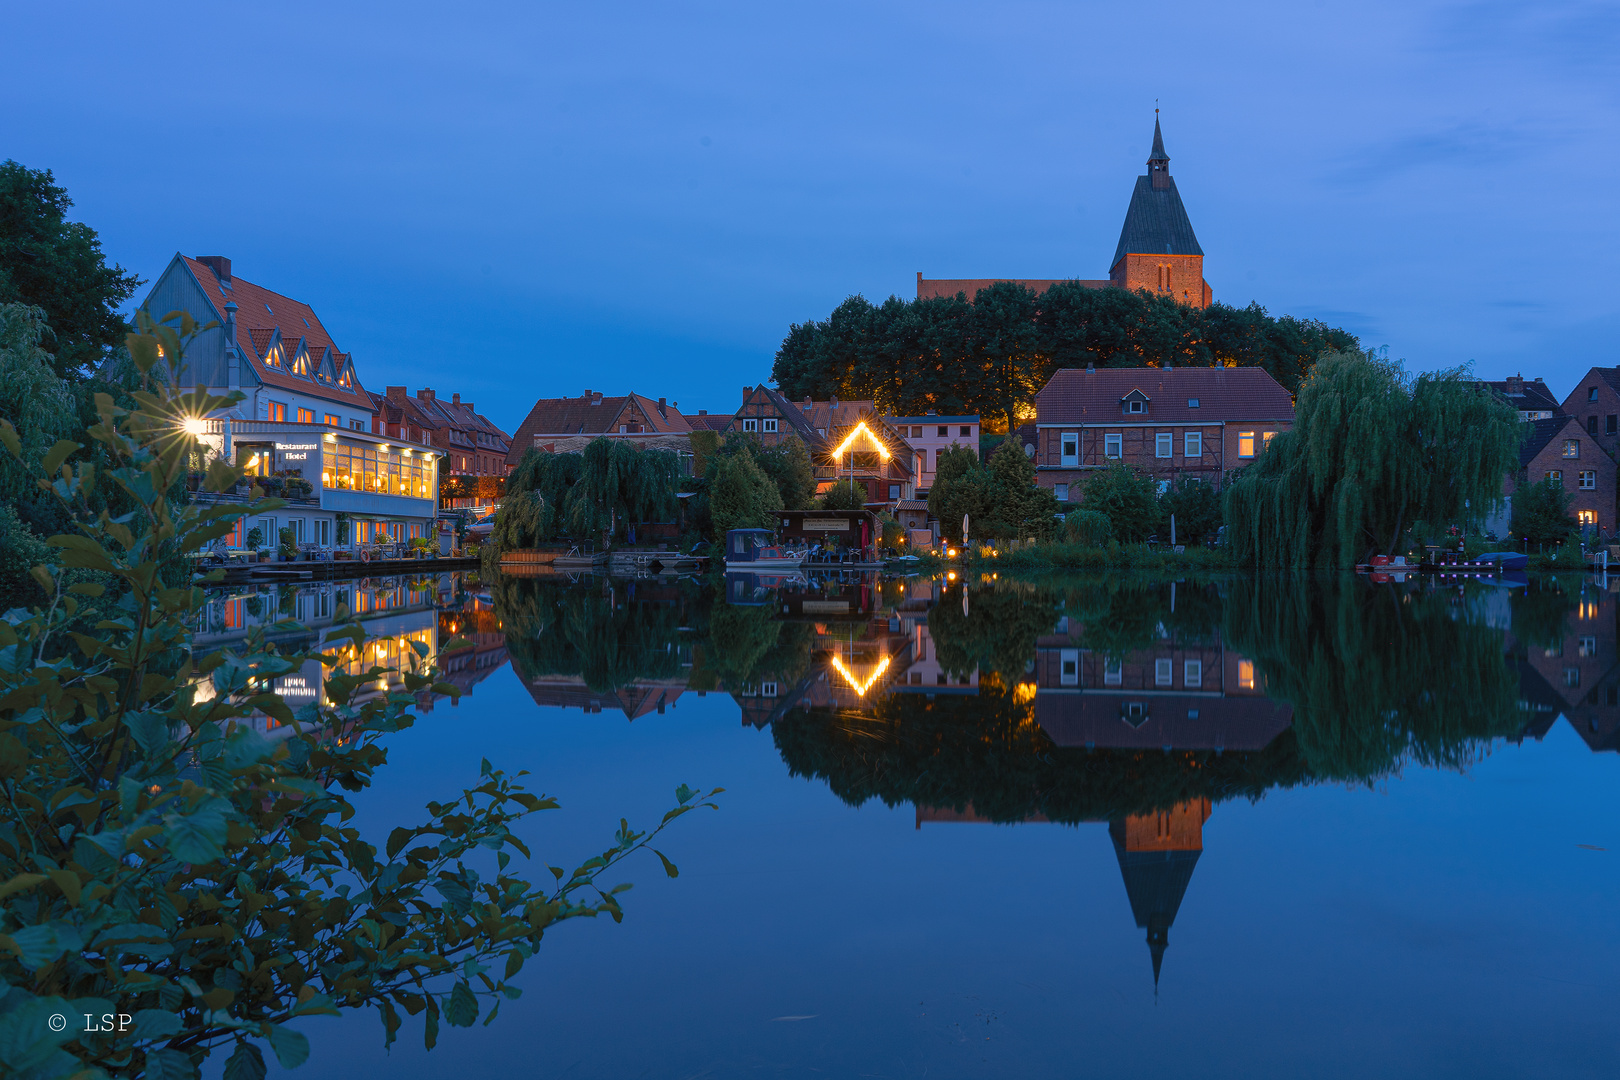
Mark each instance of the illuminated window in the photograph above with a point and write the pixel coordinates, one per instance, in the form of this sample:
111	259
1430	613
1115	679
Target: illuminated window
1192	673
1245	674
1114	445
1555	476
276	411
306	416
1192	444
333	421
1164	671
1266	437
1572	448
1586	517
1245	444
1164	444
273	357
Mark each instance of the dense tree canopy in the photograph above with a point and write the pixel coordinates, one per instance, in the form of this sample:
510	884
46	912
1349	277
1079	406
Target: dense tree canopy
991	353
1372	453
1000	498
606	490
1541	513
57	265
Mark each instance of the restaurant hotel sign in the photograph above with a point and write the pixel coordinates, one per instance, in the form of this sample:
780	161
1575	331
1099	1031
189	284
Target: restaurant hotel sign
295	451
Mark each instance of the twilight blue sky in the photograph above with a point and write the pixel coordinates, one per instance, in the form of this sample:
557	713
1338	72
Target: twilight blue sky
516	200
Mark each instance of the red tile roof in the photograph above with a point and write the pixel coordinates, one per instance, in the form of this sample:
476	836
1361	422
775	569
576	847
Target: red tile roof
929	288
1075	396
259	312
591	414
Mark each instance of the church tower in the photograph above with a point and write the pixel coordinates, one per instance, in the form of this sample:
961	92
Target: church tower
1158	250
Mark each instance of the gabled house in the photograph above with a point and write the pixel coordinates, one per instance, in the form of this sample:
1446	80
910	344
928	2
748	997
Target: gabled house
1560	449
843	439
1530	396
1596	402
592	414
474	445
1192	422
931	435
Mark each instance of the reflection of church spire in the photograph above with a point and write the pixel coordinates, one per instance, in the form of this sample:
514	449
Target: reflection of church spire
1157	853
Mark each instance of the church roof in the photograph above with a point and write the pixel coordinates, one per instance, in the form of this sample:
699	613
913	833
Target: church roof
1155	882
1158	153
1156	223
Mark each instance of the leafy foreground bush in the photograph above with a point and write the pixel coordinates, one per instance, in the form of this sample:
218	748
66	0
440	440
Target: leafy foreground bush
190	883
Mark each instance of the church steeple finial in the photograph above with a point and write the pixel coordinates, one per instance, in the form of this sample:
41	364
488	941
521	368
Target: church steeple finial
1158	161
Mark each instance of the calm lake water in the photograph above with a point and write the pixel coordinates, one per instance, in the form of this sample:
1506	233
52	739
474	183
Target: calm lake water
1107	826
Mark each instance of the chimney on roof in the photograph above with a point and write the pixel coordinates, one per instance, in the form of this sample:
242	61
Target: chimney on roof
455	399
703	412
1515	386
1091	367
746	391
425	394
662	410
835	403
596	397
394	394
220	265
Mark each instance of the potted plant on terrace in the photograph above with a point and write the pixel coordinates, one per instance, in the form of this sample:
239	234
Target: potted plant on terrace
422	546
289	546
254	539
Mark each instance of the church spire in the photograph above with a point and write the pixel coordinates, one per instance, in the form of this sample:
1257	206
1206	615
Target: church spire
1158	161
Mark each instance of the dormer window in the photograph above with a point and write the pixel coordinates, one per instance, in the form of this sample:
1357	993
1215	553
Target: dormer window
1136	406
1135	403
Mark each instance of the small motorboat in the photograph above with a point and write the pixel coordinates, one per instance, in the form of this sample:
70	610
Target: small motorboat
1505	560
577	560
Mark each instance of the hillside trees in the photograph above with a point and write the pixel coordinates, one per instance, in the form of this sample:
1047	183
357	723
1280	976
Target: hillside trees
991	353
1371	453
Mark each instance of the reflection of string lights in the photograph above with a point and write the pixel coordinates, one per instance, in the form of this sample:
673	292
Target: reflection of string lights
861	688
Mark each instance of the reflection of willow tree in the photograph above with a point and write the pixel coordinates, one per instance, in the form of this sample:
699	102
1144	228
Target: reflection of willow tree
745	644
607	640
998	632
1540	608
987	751
1375	676
1121	614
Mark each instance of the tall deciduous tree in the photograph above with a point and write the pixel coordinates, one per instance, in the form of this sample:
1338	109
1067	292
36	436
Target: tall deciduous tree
1126	496
58	265
1371	452
1541	513
741	496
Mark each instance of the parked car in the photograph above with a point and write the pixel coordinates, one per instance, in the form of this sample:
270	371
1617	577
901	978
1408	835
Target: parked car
480	529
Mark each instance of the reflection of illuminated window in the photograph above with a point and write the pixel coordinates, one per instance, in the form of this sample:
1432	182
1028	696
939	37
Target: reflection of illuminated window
1192	673
1245	674
1113	672
1572	677
1588	646
1163	671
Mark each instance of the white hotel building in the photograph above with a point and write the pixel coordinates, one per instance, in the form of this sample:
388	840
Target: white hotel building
305	413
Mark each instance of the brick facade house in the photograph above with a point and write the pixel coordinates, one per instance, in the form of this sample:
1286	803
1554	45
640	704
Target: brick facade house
1595	402
1529	396
1157	249
1170	422
1561	449
553	420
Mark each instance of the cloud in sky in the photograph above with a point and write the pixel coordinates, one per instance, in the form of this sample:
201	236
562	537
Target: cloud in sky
512	200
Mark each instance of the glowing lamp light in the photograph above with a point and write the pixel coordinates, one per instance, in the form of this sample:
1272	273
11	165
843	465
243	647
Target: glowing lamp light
194	426
861	429
855	684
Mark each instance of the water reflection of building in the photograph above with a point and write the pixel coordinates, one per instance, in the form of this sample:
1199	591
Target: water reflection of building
1575	673
399	614
1156	852
635	699
1173	695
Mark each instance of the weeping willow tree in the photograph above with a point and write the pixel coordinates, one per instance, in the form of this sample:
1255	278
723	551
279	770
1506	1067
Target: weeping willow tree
612	483
1371	453
620	482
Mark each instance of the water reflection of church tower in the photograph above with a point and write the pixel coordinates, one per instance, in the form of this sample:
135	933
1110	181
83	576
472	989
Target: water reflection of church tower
1157	853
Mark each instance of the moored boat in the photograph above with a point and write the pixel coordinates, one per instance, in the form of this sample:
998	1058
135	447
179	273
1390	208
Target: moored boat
755	549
